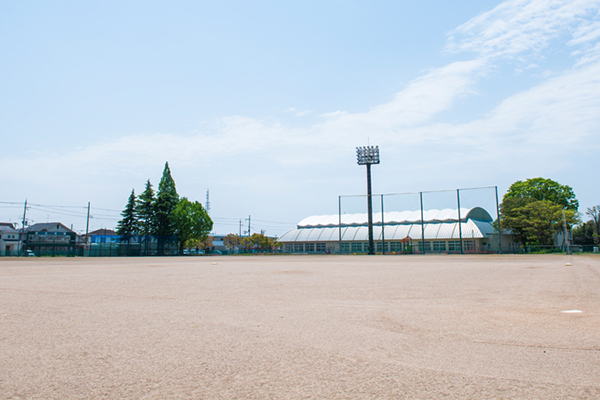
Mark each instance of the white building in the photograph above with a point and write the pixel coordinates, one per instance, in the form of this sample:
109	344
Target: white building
439	231
9	239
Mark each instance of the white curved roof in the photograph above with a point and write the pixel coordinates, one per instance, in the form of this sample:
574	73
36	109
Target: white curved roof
395	217
437	224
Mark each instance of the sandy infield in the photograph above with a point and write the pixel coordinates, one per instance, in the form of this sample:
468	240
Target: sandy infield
296	327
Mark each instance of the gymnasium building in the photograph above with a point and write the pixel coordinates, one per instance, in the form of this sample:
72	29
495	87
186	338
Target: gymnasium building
433	231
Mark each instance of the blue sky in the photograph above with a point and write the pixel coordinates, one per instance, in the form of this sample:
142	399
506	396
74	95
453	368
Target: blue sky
264	102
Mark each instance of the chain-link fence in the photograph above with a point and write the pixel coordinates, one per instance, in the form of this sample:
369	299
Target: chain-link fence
442	221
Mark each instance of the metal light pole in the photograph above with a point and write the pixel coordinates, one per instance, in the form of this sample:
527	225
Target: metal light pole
368	155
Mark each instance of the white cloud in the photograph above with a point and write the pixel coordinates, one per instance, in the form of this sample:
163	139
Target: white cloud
416	104
518	26
590	56
586	32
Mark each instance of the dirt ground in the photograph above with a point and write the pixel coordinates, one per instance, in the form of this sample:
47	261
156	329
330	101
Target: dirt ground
296	327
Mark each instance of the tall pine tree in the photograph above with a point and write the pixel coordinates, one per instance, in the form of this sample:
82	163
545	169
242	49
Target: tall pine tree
166	200
128	226
145	210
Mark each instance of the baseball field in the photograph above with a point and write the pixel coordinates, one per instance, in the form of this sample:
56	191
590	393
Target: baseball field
301	327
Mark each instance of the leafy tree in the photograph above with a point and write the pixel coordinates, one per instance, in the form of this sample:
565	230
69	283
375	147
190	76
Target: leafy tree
544	189
534	221
512	216
233	241
199	244
145	210
532	210
207	243
190	222
544	219
259	241
128	226
166	201
594	213
584	234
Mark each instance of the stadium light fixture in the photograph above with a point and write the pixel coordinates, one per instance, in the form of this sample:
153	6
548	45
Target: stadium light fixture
368	155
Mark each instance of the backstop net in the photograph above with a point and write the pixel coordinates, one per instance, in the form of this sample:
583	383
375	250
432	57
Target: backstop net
442	221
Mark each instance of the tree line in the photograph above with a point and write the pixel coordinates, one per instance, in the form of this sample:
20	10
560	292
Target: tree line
164	214
255	242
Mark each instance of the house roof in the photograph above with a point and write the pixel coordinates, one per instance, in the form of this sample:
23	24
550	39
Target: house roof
47	227
102	232
8	225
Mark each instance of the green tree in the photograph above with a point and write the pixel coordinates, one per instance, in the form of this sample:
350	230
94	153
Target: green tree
594	213
166	201
513	217
584	234
544	189
145	210
190	222
534	222
128	225
533	210
545	219
260	242
233	241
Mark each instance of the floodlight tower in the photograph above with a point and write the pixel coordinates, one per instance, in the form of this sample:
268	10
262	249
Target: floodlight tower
368	155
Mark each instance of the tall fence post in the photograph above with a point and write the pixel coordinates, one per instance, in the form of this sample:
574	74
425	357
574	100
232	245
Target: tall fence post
459	222
422	224
340	222
382	229
498	220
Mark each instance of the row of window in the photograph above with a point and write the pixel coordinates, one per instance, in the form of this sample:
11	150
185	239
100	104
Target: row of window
442	246
305	247
360	247
8	236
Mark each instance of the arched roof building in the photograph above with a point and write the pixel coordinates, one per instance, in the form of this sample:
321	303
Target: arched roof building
441	229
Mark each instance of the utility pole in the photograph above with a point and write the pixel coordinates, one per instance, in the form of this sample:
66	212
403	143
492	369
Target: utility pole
566	233
87	227
249	219
22	230
240	228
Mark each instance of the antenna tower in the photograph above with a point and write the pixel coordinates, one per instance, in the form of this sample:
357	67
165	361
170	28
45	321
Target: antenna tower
207	202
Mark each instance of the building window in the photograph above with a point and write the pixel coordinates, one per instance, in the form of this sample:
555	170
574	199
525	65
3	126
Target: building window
321	247
356	247
427	246
298	247
309	247
382	245
454	245
469	245
439	246
289	248
345	247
